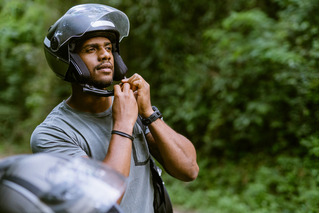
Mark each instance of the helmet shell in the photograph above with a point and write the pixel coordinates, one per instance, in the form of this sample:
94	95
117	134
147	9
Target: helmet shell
77	22
48	183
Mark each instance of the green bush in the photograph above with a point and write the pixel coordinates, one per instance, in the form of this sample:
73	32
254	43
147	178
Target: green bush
255	184
252	88
28	87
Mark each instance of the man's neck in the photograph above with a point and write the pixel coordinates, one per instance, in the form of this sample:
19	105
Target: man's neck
87	102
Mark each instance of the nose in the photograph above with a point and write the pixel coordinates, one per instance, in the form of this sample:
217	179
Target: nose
104	54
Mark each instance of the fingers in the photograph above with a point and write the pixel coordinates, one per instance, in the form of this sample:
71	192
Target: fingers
125	87
137	84
136	80
132	78
123	95
117	89
124	108
141	92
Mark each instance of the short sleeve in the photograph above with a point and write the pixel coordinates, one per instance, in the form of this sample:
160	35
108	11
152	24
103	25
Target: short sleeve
54	140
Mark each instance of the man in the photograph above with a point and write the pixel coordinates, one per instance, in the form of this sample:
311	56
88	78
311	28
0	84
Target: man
82	47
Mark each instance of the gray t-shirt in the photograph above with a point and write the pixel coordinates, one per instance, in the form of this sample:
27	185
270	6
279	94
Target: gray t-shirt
75	133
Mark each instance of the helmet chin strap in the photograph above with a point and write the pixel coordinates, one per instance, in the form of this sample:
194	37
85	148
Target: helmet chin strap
95	91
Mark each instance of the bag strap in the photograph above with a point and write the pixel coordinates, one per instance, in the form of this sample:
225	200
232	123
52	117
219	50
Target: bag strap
143	127
161	202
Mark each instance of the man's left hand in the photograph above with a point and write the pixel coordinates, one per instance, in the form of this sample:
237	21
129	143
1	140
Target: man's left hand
141	90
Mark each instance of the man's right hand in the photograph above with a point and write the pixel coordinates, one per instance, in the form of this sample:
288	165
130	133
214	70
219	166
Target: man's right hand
124	109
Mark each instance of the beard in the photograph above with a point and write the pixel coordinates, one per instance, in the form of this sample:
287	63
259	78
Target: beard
99	80
100	84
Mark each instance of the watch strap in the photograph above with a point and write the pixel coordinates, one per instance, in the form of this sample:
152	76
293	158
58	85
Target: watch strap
154	116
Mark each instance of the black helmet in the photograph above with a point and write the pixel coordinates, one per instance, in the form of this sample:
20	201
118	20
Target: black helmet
79	22
47	183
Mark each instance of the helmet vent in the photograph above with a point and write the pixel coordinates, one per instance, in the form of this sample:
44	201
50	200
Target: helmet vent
54	43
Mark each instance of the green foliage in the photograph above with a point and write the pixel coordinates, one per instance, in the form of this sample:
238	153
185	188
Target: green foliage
255	184
25	78
260	83
241	79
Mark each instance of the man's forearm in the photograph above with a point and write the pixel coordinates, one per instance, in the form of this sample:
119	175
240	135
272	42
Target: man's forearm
175	152
119	154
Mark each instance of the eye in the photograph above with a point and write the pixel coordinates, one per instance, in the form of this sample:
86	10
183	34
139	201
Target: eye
90	50
108	48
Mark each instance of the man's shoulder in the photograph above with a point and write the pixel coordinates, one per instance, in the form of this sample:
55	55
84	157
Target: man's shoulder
59	114
53	121
55	127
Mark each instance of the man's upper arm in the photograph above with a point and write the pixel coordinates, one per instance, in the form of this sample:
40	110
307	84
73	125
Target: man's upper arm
54	140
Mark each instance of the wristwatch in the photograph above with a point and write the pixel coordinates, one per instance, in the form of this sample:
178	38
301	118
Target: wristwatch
157	114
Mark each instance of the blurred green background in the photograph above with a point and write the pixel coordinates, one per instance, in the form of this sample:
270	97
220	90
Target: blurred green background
238	77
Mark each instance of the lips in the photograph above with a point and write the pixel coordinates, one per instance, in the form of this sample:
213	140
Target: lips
107	67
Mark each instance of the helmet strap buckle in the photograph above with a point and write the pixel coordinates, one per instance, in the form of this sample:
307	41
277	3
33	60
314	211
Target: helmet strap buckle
95	91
